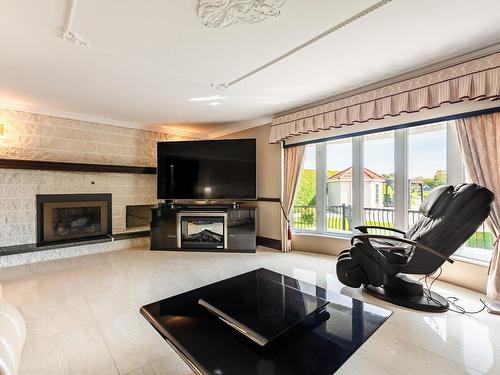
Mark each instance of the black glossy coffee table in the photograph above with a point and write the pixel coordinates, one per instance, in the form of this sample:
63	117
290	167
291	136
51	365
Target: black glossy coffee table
303	333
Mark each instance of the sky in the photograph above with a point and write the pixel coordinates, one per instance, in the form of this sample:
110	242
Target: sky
426	154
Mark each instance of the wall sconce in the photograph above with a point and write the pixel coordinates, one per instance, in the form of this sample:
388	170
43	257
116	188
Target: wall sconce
1	129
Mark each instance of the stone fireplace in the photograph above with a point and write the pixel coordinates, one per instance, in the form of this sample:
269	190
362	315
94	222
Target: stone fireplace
45	155
63	218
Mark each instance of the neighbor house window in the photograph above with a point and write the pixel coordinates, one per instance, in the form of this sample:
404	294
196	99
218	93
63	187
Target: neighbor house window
381	179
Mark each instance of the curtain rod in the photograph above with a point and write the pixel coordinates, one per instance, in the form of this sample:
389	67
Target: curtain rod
444	64
397	127
224	85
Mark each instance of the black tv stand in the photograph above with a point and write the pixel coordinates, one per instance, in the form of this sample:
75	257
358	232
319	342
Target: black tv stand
173	205
221	228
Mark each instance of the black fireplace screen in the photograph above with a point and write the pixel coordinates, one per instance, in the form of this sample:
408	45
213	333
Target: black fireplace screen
73	221
202	232
73	217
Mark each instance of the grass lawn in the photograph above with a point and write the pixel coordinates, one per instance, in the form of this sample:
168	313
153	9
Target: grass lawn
480	240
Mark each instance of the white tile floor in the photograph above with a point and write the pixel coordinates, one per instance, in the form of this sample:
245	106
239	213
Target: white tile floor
82	315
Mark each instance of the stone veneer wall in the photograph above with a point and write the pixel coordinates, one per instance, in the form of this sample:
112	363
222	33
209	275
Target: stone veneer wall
18	190
38	137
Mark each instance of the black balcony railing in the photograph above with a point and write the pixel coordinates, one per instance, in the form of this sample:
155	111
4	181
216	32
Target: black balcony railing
304	217
339	218
481	239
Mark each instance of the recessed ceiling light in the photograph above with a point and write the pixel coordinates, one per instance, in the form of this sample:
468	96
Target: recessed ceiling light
207	98
214	103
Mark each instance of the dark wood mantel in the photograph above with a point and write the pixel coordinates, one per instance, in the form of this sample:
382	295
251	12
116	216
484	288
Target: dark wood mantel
73	167
41	165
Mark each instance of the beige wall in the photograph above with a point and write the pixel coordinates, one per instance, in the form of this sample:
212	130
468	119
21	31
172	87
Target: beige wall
319	244
468	275
268	180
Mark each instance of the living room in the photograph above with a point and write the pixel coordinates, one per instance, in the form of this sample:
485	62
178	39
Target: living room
249	187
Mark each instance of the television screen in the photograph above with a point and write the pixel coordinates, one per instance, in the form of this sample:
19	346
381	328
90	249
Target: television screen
206	170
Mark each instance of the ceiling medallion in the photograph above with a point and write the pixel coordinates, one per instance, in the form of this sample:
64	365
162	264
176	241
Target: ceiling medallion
223	13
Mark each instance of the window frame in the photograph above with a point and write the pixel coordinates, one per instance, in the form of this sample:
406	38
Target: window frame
455	174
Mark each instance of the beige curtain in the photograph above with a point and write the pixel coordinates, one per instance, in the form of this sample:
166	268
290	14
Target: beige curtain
293	160
480	142
473	80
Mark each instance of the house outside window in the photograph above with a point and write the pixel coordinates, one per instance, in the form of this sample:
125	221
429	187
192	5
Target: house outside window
338	199
378	166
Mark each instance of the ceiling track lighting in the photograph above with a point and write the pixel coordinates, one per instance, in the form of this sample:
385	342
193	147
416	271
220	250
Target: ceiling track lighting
67	34
225	85
75	38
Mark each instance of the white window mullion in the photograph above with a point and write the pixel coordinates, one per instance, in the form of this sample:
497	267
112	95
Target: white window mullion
401	182
320	187
455	171
357	181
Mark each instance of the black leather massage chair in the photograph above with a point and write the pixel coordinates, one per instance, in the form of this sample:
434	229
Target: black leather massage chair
449	216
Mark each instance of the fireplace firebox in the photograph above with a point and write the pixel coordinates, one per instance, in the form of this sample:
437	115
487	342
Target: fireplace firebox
63	218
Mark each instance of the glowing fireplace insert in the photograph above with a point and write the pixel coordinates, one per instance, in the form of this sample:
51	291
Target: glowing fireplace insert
202	230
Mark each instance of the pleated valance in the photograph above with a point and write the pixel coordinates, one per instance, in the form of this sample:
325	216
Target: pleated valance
477	79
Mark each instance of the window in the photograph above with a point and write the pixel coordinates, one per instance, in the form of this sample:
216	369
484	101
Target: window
480	244
304	204
427	150
378	175
380	179
339	186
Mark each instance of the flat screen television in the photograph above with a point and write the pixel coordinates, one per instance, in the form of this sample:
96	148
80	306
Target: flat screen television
207	170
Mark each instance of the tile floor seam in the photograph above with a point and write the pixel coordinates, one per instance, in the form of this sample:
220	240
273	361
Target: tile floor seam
431	352
35	340
97	324
271	263
141	366
38	339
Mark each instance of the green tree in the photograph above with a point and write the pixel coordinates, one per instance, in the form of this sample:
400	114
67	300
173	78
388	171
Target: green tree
306	192
331	173
439	178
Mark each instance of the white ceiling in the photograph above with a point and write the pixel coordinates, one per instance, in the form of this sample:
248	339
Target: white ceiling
146	59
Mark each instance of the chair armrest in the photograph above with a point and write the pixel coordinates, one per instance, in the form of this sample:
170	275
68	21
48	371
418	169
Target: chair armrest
405	240
364	229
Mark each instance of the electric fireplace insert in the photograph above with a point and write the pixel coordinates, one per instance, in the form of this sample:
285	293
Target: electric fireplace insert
201	230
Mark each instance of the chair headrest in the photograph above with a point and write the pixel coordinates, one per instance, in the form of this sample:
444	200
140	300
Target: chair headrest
435	204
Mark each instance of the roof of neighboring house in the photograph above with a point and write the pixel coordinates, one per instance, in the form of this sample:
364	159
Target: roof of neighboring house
346	175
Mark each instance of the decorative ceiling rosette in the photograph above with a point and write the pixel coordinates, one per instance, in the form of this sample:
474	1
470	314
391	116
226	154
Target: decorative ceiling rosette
223	13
